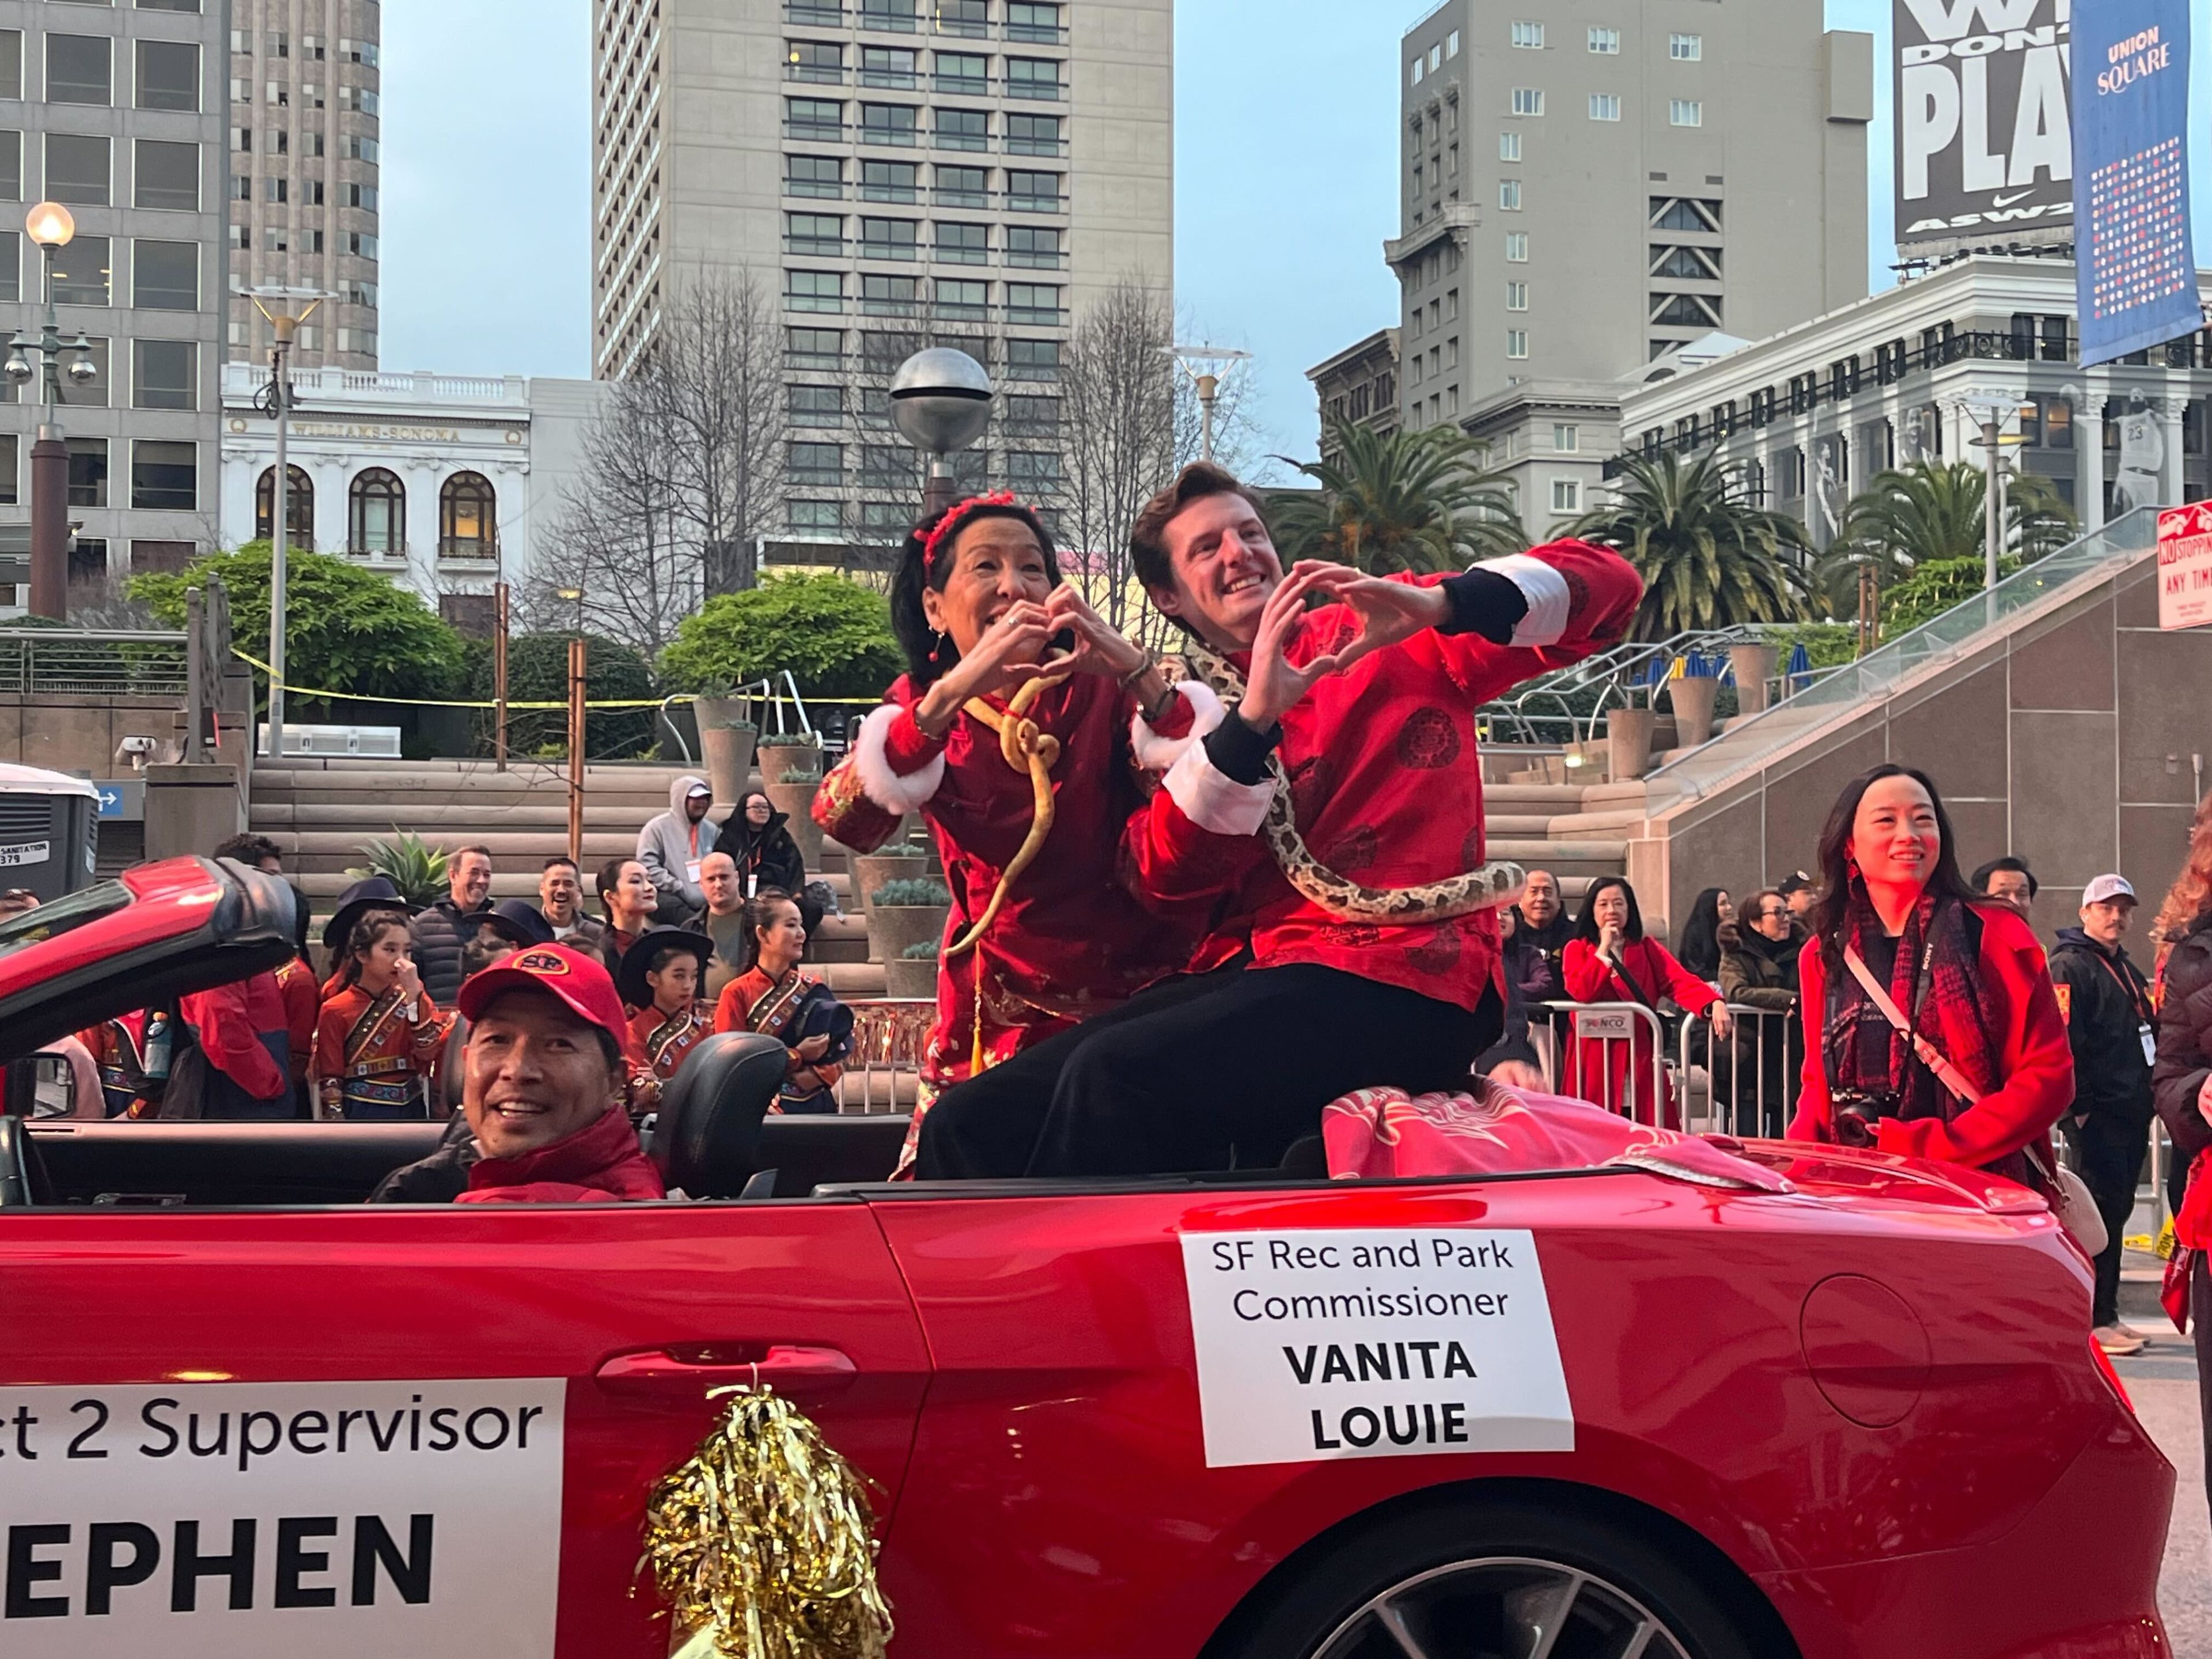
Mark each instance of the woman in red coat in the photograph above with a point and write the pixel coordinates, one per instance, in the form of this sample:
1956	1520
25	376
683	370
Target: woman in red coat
1966	974
1609	960
982	611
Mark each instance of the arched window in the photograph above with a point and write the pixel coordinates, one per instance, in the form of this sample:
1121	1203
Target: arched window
376	514
300	504
468	517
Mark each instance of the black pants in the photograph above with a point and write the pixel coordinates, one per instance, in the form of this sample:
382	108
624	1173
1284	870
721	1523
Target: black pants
2109	1151
1222	1070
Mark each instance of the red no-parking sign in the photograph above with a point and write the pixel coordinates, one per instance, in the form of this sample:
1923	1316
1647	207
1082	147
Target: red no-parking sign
2184	566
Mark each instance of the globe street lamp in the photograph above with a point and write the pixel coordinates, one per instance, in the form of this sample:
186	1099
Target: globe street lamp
941	402
277	304
51	226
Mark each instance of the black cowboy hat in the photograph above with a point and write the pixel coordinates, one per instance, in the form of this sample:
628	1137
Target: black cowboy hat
631	979
518	921
372	893
820	1014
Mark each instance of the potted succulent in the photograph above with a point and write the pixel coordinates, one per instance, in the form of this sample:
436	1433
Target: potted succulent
727	736
900	860
907	912
792	791
911	976
790	752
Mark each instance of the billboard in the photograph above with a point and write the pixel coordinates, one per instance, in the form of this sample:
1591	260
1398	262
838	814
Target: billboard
2136	275
1985	132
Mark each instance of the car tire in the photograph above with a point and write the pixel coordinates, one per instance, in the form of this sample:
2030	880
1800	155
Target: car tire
1468	1578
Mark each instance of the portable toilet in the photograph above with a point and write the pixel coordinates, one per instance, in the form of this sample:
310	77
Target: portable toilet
49	830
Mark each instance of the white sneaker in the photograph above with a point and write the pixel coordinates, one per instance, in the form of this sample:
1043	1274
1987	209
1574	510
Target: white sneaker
2117	1341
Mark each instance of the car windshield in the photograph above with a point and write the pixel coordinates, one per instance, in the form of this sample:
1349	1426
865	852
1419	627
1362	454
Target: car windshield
47	921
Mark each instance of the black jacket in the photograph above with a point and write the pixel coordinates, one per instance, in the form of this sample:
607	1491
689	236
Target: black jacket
438	1179
769	853
438	935
2184	1044
2107	1005
1552	940
1756	972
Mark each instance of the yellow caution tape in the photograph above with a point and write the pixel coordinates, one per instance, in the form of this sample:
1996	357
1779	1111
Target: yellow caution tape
292	690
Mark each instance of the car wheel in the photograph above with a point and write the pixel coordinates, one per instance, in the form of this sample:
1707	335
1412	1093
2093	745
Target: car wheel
1491	1581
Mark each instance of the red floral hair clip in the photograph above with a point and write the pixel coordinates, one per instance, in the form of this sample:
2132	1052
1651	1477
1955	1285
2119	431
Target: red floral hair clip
950	524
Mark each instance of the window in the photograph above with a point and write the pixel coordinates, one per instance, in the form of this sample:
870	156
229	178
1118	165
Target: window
1528	100
963	244
1682	212
813	290
1685	113
1417	71
1035	247
1033	303
80	68
1566	495
1517	247
889	238
1605	42
1435	58
962	129
817	465
11	63
1516	343
1035	135
1034	414
1566	439
1687	310
77	169
1529	37
1604	106
814	517
1508	195
277	190
11	265
814	348
889	124
1034	77
361	197
963	300
350	51
1037	470
164	477
894	16
962	72
1032	192
88	472
887	466
355	148
357	100
966	187
1685	48
814	117
813	175
1027	21
889	66
1451	43
81	272
165	275
814	236
1516	296
889	296
813	60
468	517
1032	360
1698	264
11	167
165	175
816	405
168	75
280	43
376	515
890	181
1509	146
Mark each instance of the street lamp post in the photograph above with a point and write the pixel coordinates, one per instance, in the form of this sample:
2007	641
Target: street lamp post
1206	365
51	226
941	403
579	674
277	304
1994	439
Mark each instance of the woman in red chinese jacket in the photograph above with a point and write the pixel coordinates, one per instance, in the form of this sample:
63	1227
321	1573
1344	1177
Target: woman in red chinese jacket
378	1038
985	621
1610	960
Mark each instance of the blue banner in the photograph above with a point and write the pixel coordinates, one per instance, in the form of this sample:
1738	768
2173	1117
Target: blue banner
2132	249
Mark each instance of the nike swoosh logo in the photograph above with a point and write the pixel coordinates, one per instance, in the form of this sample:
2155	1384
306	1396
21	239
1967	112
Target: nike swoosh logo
2006	200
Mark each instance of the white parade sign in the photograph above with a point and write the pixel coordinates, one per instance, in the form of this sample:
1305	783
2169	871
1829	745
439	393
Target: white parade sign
1320	1344
269	1519
2184	566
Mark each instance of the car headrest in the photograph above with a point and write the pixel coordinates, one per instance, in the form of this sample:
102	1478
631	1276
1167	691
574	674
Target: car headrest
452	1071
706	1139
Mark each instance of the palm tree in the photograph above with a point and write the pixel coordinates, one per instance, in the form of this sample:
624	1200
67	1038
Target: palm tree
1932	511
1709	559
1402	500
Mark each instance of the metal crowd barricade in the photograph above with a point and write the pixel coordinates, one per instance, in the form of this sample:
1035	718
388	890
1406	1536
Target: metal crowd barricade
1747	1086
1589	1051
883	1074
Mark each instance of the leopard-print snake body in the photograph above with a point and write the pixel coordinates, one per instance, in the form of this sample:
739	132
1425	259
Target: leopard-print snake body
1491	887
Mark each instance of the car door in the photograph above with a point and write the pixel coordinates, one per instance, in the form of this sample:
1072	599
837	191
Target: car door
371	1431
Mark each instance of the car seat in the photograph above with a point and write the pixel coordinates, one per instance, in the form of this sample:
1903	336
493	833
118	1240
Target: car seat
706	1137
452	1072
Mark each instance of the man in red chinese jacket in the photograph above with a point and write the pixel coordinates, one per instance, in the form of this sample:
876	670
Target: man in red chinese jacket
1334	818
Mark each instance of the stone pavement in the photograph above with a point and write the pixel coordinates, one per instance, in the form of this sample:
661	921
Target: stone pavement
2162	1380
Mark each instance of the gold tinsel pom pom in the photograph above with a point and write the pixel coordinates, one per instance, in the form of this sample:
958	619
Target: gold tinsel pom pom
762	1543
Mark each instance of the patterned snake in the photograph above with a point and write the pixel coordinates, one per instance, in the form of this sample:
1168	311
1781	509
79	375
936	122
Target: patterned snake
1491	887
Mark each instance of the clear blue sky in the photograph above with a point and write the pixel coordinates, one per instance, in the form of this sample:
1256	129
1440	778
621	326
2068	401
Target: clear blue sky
1285	183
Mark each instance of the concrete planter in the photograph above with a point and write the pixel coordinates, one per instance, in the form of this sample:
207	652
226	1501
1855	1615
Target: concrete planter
1628	736
1692	696
796	800
780	755
892	928
1754	666
728	753
872	870
906	981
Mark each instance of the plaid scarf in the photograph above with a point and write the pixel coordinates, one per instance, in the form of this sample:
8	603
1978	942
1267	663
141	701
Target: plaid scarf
1866	1054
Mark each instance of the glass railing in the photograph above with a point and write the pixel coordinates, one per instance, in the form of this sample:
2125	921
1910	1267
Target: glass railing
1751	742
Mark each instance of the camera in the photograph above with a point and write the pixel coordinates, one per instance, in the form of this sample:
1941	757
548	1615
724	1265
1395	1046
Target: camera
1856	1116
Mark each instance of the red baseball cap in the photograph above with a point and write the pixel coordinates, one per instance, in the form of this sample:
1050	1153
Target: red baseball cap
580	980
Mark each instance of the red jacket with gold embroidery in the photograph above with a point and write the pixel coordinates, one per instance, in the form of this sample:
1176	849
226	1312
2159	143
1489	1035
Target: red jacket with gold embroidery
1386	781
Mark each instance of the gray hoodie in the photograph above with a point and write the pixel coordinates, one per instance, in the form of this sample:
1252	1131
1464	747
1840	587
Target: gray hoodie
666	848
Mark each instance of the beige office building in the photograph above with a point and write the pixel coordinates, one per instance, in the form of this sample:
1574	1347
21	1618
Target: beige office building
1586	187
304	132
898	173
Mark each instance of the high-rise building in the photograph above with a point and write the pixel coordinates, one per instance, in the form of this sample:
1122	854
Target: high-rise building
1586	187
117	112
303	170
896	174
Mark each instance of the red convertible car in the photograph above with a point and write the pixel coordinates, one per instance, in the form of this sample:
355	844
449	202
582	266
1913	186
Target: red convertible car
1593	1414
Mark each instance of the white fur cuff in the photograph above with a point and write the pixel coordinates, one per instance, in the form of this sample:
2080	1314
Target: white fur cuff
1214	801
1154	753
881	784
1549	604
